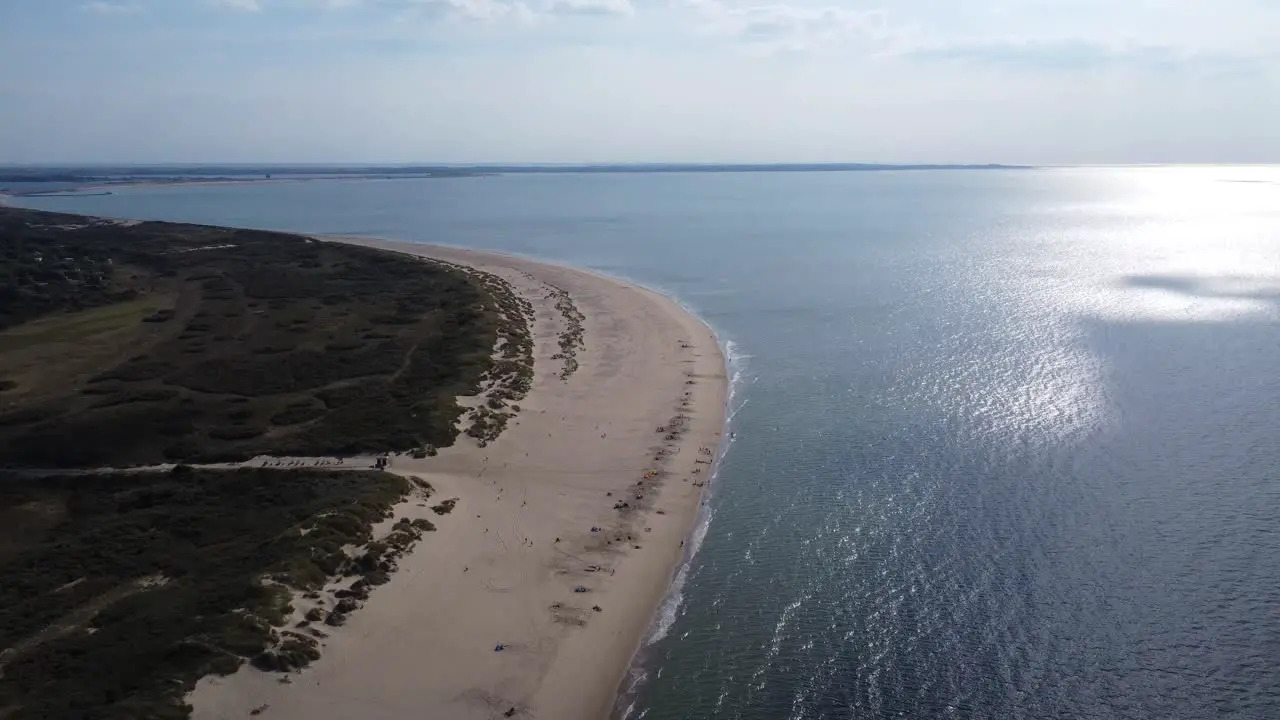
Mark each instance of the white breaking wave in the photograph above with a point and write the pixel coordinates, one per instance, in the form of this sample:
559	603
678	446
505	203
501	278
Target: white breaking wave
736	362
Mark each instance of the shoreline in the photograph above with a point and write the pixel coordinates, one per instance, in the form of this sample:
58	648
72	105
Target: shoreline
481	629
99	189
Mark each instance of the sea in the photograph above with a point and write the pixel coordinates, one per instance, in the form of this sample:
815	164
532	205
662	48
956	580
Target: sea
1007	442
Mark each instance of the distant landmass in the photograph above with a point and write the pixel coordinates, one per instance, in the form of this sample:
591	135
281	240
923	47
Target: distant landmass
125	174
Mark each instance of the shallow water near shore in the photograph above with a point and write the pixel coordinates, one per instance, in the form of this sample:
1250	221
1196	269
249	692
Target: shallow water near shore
1008	443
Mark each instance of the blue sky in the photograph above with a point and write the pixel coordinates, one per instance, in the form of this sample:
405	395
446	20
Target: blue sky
1018	81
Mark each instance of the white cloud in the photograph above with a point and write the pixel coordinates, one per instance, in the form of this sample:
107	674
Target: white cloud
484	10
335	4
240	5
487	10
490	9
799	27
1082	54
591	7
102	7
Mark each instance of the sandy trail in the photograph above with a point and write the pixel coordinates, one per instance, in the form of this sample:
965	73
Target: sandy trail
503	567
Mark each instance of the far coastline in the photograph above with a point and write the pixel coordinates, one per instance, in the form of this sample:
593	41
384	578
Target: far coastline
76	180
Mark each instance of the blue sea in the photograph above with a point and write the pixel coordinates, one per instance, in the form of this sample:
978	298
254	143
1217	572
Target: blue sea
1008	442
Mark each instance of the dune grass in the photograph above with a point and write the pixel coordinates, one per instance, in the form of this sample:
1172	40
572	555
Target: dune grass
156	342
137	344
120	590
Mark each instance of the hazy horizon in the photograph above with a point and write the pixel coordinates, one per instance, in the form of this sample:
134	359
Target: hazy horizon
374	82
552	165
356	165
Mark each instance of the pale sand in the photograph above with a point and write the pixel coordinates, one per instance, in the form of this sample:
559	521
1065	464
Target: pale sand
423	645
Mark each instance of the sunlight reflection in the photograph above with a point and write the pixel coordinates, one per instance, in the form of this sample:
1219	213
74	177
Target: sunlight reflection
1123	246
1195	244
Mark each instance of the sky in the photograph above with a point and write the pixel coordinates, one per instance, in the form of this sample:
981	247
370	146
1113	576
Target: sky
458	81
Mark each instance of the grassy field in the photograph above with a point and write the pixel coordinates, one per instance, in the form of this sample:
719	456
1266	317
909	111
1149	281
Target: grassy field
76	327
120	590
159	342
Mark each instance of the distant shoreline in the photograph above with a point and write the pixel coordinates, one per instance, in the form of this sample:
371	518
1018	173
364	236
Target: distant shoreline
79	178
81	182
99	189
86	192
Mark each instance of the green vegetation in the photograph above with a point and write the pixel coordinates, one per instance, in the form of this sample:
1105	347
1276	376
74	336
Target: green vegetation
138	344
37	278
511	375
570	339
121	590
125	344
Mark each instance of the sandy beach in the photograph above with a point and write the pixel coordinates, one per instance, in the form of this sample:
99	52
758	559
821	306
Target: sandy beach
535	543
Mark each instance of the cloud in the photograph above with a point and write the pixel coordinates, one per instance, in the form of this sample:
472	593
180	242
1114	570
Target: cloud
1079	54
797	27
102	7
482	10
239	5
591	7
333	4
1072	54
489	10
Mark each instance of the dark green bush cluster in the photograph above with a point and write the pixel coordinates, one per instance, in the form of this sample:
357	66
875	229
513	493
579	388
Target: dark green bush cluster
570	339
123	589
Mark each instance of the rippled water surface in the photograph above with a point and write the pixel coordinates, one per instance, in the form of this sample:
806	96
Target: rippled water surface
1008	442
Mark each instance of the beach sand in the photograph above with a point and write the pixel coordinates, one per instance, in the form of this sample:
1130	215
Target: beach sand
493	572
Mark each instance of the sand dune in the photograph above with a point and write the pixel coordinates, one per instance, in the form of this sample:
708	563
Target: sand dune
503	567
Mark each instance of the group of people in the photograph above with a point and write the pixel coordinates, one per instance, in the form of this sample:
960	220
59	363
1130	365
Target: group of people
381	462
300	462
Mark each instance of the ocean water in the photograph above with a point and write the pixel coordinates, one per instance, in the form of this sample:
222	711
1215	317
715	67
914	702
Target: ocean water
1008	443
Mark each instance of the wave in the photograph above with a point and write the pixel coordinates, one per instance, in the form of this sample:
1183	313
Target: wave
736	363
668	611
